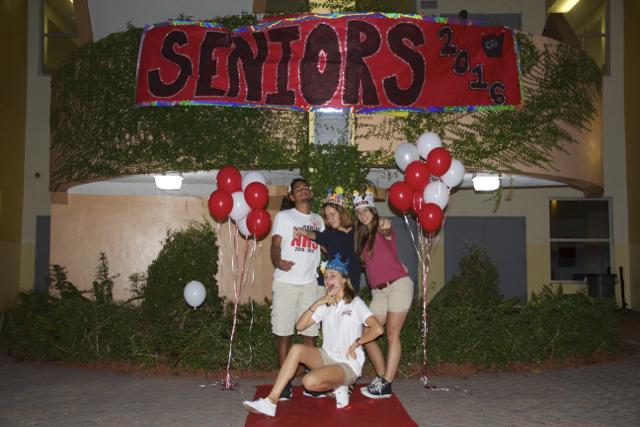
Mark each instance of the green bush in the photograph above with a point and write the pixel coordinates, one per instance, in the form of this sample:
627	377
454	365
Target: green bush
476	284
466	326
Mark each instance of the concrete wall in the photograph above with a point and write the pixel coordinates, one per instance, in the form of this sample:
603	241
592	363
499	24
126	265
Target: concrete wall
36	158
632	138
13	38
614	150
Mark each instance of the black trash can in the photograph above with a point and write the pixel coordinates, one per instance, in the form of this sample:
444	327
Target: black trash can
601	285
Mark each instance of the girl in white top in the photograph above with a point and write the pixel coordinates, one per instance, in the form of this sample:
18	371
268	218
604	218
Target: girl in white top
338	363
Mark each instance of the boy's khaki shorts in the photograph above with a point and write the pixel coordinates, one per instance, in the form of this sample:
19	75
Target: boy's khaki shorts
289	302
395	298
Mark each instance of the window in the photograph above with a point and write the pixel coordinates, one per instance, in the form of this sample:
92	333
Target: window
580	238
59	35
589	21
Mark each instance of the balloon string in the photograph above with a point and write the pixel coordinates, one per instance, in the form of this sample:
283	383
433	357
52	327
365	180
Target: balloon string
228	383
250	330
231	245
413	239
426	264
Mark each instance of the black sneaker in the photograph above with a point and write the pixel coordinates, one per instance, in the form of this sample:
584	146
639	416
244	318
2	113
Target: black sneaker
378	389
309	393
287	392
376	380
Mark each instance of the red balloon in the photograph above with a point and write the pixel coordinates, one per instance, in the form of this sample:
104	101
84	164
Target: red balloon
259	222
229	179
417	203
257	195
417	175
431	217
439	161
220	205
400	196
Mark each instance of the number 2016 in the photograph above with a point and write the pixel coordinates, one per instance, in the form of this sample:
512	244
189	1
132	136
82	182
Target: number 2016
461	65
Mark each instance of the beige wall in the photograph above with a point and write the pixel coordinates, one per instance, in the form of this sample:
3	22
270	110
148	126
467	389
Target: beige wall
533	205
632	136
131	229
13	38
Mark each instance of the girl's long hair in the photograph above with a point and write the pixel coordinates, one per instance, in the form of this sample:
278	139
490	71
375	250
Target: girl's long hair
345	217
348	292
366	235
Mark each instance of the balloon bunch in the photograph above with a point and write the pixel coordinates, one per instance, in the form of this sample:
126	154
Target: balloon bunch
427	183
425	192
243	200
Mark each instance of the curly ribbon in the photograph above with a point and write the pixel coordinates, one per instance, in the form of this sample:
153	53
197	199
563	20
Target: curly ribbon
238	284
228	382
424	323
413	239
427	244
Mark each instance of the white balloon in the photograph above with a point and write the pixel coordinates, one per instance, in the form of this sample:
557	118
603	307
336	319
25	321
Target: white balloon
253	176
436	192
240	207
427	142
453	177
194	293
404	154
242	227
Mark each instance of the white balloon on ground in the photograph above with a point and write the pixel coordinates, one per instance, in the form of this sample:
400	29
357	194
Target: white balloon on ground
242	227
404	154
253	176
240	207
436	192
454	175
194	293
427	142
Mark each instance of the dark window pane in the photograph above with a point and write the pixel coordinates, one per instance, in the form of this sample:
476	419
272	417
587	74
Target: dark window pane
579	219
571	260
280	6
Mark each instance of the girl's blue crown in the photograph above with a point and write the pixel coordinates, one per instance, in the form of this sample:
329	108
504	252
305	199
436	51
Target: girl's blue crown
337	265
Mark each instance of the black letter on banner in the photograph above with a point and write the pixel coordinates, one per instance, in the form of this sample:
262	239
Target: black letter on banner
156	86
284	36
357	73
396	38
252	67
208	68
318	87
496	93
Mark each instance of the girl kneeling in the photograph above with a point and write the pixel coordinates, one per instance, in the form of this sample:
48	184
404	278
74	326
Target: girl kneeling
338	363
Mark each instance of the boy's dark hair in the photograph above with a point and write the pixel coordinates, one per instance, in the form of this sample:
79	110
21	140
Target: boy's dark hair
294	182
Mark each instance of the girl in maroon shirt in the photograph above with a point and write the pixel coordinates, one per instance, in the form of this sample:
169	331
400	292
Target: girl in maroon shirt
391	289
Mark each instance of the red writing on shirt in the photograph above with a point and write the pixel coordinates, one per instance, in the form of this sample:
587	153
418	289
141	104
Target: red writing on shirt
304	242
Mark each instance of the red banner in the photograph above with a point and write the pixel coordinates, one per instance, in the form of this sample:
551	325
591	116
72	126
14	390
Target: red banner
360	61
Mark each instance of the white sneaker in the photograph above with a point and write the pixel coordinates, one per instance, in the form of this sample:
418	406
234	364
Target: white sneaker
342	396
261	406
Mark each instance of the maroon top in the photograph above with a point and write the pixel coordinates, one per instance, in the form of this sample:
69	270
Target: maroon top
384	266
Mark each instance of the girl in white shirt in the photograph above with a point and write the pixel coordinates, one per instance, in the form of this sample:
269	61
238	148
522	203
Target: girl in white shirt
338	363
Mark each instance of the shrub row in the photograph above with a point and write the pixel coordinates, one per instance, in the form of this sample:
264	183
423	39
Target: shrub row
467	322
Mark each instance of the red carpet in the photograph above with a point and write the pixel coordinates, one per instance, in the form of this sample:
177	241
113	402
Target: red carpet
309	412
